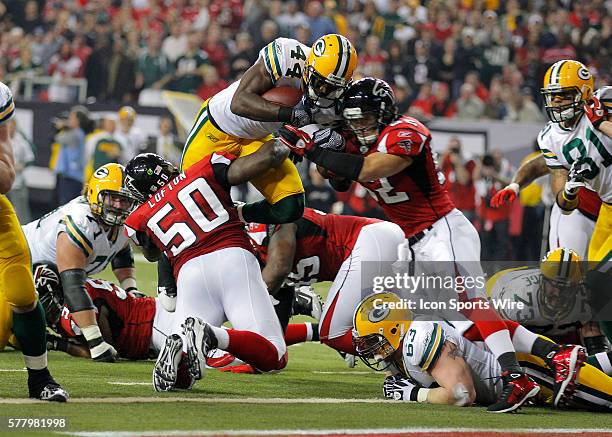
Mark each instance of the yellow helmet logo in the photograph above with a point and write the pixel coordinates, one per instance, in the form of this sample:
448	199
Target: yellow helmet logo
108	198
380	323
568	85
329	68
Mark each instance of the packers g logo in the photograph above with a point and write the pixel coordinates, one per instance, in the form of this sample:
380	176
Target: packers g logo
378	314
319	48
101	173
584	74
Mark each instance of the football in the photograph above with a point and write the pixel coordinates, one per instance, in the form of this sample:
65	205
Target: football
283	95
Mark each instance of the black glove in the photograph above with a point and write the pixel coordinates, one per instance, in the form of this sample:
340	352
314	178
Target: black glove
56	343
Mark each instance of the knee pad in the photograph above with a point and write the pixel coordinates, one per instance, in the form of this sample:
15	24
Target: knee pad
16	279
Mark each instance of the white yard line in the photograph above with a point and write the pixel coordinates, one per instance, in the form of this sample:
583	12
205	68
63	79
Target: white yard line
319	432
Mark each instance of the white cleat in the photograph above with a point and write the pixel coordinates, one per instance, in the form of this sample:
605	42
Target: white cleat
199	340
165	371
307	302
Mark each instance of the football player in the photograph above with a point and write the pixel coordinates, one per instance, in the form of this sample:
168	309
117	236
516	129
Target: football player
20	311
572	231
422	352
238	120
191	218
82	238
390	155
553	299
349	251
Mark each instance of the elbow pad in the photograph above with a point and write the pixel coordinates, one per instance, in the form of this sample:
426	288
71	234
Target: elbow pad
123	259
75	296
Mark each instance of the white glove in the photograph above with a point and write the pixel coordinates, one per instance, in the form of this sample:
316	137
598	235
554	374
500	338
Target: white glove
399	388
576	177
104	353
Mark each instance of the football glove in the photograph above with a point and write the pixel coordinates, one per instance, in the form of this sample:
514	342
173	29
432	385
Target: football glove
105	353
301	115
576	178
398	388
595	111
299	142
56	343
505	195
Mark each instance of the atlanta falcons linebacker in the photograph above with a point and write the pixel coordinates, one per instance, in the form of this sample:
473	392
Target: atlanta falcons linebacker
350	251
191	218
422	352
82	238
390	155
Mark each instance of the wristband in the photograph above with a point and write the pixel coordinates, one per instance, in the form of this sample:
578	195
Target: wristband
422	395
285	114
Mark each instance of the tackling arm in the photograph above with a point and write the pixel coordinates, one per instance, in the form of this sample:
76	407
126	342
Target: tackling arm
247	101
281	250
526	174
270	155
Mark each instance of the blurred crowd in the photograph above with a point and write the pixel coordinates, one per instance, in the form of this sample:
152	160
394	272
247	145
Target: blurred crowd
467	59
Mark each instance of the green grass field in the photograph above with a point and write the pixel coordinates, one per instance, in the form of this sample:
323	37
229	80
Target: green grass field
315	391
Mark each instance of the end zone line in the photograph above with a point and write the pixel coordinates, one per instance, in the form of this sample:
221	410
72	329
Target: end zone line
386	432
152	399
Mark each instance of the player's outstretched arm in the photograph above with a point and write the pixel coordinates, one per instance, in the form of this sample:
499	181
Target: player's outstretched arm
7	160
527	173
281	251
247	101
123	268
453	376
270	155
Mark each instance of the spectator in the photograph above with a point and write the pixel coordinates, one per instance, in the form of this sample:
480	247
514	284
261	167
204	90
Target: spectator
421	67
268	33
24	156
153	67
302	34
442	105
468	57
187	73
175	44
216	50
387	22
469	106
31	18
245	55
121	74
167	143
413	13
458	174
480	90
446	69
373	58
211	83
491	174
495	106
521	107
132	137
25	65
71	159
319	24
319	194
291	19
64	65
96	69
422	106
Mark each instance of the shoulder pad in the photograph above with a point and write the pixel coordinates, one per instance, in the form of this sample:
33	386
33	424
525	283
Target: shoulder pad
7	106
427	340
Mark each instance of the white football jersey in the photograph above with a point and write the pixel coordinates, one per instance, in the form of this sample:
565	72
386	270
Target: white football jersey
284	60
604	94
7	106
514	286
83	229
584	144
423	345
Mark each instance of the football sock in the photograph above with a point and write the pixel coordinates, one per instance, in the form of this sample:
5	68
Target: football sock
344	343
301	332
603	361
31	331
254	349
284	297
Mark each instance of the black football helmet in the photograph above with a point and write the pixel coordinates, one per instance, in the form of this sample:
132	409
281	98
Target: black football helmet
49	289
146	173
368	106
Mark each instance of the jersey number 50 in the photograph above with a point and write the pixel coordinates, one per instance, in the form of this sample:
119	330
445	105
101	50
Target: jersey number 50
185	196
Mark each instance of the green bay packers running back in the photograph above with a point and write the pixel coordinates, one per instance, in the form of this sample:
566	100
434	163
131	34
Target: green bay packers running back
82	238
239	121
422	352
21	313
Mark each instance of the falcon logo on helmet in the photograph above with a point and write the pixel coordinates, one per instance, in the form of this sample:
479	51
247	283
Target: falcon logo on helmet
328	70
146	173
568	85
49	289
107	195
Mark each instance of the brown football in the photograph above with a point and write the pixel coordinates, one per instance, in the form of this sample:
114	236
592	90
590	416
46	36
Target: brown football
283	95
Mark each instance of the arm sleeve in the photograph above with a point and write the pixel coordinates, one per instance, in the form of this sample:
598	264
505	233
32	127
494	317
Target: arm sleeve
220	163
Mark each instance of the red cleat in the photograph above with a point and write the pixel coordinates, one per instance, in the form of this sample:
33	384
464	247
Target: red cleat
518	387
566	363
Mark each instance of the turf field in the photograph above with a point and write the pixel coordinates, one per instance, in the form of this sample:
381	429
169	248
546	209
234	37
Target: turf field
315	392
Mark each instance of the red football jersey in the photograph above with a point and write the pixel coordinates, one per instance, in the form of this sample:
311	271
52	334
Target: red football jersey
416	197
589	203
324	242
130	318
193	214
